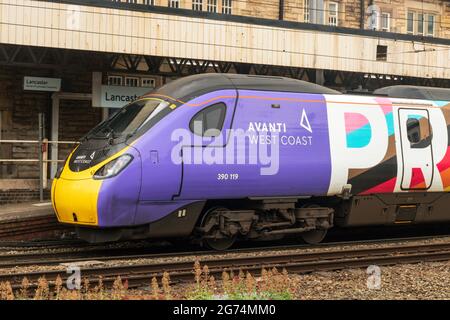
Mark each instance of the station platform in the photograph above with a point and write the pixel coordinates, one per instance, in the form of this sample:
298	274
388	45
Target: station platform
26	210
29	221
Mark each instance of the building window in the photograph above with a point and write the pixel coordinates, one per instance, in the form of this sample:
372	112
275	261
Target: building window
174	3
306	10
149	2
114	80
333	14
410	22
420	23
197	5
148	82
212	6
381	53
386	21
430	25
131	81
226	6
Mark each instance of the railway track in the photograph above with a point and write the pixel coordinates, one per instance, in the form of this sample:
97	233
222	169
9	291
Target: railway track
302	262
50	258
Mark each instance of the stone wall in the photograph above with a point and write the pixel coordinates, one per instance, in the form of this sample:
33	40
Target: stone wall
19	117
17	196
445	20
19	120
349	11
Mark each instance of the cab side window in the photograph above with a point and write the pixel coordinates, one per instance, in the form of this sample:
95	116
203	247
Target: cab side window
209	121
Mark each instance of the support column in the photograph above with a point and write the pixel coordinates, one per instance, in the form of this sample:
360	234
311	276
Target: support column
320	77
54	134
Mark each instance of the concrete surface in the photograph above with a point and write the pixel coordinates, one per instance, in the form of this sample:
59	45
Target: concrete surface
25	210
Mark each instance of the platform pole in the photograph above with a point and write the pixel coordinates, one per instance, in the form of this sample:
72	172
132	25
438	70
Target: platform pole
54	135
41	162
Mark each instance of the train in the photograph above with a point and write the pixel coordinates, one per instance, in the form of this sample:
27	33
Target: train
217	158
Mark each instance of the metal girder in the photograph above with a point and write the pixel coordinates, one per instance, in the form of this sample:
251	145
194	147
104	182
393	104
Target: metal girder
222	67
296	73
63	59
243	68
48	58
153	63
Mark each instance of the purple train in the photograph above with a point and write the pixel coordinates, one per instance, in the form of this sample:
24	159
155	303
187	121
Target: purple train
221	157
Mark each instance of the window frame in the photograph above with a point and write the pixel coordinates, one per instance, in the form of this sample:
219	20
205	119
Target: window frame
137	79
306	15
227	7
197	5
113	78
174	4
333	14
204	111
388	20
420	21
152	80
410	21
428	24
211	6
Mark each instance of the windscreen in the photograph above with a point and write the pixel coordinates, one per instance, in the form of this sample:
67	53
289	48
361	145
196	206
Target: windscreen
131	118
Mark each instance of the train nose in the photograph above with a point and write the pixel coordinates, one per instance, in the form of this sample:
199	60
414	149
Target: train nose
103	195
75	201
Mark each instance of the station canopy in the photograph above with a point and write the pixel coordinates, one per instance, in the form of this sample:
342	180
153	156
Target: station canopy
415	92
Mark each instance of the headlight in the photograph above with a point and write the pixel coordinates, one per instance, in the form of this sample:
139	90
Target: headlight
113	167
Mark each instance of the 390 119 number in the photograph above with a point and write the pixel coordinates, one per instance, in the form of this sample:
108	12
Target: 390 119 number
228	176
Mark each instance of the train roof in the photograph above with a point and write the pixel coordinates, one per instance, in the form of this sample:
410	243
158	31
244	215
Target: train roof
189	87
415	92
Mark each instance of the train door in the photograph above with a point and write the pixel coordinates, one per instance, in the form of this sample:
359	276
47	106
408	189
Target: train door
204	158
416	149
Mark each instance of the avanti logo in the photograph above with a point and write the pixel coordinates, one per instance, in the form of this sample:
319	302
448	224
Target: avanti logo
92	155
304	122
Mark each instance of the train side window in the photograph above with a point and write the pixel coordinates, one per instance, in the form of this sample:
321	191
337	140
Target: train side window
209	121
413	128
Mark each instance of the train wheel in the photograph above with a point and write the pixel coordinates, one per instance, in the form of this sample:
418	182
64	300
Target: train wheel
218	244
313	236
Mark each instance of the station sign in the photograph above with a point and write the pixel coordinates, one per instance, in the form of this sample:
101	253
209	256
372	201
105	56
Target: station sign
41	84
118	96
108	96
